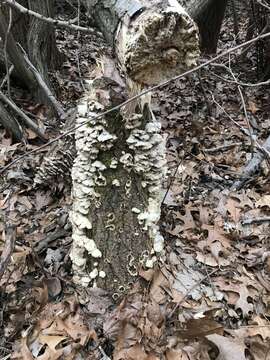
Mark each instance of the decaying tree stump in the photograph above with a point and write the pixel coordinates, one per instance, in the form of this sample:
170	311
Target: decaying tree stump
117	179
120	164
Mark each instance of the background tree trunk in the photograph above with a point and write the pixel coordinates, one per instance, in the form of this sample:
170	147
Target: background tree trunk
209	21
38	41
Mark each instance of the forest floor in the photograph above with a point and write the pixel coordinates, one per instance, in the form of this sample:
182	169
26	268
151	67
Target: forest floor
210	298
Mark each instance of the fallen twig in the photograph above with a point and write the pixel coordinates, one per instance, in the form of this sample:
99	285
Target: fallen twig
136	97
55	22
255	220
6	78
190	291
10	238
222	147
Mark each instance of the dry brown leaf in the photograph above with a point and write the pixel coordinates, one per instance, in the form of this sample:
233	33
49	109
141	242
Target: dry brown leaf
176	355
263	201
52	341
234	210
241	301
195	328
25	352
252	107
135	352
228	349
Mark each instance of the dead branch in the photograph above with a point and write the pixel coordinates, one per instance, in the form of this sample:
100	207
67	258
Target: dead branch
255	220
30	123
55	22
10	239
139	95
253	165
6	78
222	147
5	50
50	97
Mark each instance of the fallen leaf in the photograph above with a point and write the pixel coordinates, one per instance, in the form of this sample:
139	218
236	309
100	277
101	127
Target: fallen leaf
228	349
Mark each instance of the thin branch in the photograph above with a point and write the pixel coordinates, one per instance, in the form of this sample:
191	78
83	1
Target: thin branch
5	49
6	78
55	22
10	239
10	123
222	147
190	291
136	97
243	130
263	4
255	220
251	136
238	82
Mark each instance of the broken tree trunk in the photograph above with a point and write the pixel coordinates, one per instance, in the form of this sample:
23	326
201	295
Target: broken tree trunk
120	164
117	177
153	39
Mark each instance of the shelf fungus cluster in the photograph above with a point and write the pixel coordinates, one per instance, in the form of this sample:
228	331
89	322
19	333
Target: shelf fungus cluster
117	190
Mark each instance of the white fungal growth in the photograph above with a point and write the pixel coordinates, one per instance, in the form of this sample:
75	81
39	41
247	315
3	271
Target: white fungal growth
102	274
87	177
149	161
116	183
135	210
114	163
94	273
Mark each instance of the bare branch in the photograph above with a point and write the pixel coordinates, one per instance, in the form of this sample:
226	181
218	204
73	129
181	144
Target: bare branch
5	49
10	239
55	22
255	220
7	76
50	97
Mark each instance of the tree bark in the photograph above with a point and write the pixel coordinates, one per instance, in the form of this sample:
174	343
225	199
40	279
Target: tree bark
153	39
38	41
209	20
10	123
